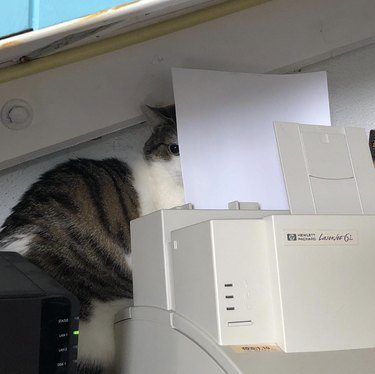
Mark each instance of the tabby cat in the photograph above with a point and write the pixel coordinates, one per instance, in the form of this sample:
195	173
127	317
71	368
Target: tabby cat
74	224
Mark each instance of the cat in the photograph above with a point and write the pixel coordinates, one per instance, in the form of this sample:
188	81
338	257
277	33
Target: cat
74	223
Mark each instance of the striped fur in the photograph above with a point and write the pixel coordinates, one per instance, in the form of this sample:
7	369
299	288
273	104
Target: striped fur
74	223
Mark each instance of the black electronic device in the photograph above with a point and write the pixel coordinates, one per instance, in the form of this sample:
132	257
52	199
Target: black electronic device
38	320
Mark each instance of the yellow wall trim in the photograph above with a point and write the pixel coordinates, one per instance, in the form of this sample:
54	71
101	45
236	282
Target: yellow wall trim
125	40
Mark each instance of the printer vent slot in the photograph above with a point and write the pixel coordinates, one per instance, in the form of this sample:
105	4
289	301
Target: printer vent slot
240	323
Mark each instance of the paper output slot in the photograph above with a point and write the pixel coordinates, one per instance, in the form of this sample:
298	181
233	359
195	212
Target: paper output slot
240	323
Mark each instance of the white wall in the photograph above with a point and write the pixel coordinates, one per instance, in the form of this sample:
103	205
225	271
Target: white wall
351	85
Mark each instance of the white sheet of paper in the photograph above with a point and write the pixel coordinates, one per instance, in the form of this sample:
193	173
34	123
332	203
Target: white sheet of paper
225	129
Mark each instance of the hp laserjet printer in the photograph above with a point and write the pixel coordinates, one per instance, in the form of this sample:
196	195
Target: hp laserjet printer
250	291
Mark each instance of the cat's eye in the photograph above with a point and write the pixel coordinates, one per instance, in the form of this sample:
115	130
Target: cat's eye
174	149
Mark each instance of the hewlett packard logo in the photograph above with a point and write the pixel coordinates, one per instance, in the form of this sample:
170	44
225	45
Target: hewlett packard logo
321	237
291	237
301	236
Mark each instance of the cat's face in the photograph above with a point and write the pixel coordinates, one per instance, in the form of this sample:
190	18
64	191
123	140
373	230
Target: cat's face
163	143
161	153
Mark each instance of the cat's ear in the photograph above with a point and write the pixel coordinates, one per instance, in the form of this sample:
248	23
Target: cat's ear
157	116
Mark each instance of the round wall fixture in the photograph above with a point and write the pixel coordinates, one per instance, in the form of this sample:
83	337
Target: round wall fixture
16	114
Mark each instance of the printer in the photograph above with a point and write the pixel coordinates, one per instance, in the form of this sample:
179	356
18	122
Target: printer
245	290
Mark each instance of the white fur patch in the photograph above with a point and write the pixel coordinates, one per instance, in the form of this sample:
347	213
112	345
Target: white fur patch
17	243
96	341
159	184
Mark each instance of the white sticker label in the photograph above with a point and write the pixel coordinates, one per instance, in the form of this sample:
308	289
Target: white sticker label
256	348
320	237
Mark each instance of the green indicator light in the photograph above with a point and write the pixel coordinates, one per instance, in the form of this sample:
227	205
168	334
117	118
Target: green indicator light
76	332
